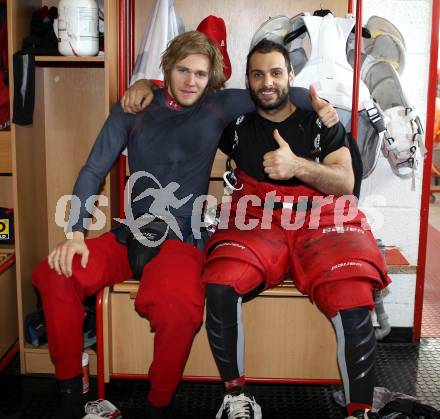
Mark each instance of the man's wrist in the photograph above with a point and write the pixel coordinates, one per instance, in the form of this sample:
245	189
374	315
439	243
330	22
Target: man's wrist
77	235
152	85
300	167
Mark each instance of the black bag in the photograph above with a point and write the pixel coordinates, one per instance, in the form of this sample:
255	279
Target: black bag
42	39
409	409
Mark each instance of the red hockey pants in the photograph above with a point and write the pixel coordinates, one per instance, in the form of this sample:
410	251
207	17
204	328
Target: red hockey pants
170	295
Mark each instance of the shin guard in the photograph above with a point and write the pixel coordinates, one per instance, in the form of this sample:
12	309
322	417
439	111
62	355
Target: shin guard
224	325
356	356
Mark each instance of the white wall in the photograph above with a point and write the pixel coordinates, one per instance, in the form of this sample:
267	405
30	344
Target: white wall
401	211
242	18
402	208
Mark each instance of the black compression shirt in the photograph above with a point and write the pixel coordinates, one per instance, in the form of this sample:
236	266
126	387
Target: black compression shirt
255	138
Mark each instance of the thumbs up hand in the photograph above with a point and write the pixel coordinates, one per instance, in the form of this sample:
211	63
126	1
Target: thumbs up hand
282	163
326	112
280	140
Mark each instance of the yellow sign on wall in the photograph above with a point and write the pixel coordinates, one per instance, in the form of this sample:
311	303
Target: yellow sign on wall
4	229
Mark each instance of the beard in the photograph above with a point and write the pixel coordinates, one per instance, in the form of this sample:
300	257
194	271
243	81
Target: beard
281	100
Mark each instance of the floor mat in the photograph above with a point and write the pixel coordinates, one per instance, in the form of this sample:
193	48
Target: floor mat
412	369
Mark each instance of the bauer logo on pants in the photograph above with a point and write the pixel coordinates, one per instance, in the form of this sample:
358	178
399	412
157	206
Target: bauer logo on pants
4	229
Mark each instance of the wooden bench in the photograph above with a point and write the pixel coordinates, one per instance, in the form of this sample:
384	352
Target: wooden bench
287	338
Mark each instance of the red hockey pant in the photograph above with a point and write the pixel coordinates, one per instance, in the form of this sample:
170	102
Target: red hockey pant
170	295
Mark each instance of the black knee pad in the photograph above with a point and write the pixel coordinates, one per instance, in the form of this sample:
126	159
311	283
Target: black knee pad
225	328
358	328
221	301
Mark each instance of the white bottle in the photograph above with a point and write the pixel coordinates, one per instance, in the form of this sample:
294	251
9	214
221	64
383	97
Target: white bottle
78	27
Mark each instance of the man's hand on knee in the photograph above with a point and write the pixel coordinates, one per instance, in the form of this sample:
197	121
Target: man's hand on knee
61	257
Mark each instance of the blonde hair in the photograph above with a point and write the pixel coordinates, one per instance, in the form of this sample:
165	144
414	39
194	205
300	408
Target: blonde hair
193	42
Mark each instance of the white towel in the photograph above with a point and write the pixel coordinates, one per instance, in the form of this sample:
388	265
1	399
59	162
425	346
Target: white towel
162	26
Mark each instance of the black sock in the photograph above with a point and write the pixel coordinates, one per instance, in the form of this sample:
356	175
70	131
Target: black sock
156	412
71	399
71	386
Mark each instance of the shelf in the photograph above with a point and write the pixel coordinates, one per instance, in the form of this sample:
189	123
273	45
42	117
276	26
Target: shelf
5	152
37	359
63	59
73	96
45	349
397	262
